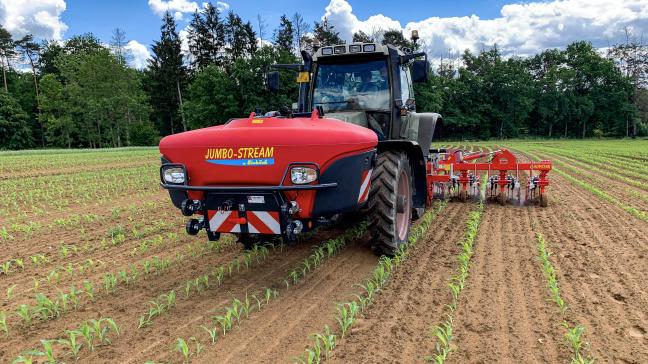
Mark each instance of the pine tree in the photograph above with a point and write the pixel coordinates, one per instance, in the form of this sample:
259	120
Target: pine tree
167	78
6	51
284	35
326	34
31	51
395	37
240	37
207	37
361	37
301	27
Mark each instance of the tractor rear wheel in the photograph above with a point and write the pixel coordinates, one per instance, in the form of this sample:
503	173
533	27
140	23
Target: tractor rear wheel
390	202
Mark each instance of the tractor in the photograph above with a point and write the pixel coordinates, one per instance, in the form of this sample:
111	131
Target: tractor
353	143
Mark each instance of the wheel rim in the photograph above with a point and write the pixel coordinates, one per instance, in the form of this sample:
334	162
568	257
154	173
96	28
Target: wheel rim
403	196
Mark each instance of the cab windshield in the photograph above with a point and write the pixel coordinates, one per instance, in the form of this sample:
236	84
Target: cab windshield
352	86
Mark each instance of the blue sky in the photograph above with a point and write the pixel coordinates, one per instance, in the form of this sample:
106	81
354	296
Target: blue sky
139	22
446	27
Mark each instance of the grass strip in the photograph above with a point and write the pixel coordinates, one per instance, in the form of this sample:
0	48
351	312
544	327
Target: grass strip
324	342
574	334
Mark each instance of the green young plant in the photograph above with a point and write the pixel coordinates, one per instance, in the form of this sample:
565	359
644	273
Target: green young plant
10	290
47	352
212	332
182	347
3	323
573	337
72	343
25	313
346	315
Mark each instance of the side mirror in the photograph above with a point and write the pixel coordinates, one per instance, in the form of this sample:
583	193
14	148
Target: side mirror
272	81
420	71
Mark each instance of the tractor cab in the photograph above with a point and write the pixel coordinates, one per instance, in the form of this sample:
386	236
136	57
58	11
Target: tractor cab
367	84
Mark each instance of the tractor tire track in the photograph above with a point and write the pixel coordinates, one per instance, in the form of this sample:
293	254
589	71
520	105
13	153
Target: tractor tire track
394	329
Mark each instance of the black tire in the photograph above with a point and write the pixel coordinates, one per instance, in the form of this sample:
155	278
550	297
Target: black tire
387	235
249	241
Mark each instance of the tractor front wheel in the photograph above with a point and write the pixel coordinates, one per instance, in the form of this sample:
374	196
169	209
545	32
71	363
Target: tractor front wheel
390	202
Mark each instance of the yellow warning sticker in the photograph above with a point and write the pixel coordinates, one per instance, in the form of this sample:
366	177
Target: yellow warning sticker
303	77
257	121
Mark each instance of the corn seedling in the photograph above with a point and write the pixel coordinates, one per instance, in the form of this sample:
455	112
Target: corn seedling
212	332
47	352
443	334
550	273
3	323
102	330
10	290
5	267
573	337
88	335
346	315
110	282
88	288
183	348
25	313
72	343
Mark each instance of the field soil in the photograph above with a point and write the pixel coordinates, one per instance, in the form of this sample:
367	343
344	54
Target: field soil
504	314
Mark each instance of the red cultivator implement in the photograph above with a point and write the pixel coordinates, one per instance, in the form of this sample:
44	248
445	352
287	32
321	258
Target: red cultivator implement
456	174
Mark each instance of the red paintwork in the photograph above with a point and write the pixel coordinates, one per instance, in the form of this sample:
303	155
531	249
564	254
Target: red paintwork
502	162
309	140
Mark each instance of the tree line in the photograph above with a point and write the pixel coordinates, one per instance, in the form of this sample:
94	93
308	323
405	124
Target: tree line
81	93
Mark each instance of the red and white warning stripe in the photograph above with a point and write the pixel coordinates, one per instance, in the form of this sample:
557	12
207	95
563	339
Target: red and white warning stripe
258	222
364	187
264	222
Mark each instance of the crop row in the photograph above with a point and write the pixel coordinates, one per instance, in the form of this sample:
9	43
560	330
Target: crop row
601	194
618	165
443	332
47	308
240	308
324	342
574	333
607	172
199	284
91	334
40	159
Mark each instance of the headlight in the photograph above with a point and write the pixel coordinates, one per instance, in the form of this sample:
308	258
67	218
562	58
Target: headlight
175	175
303	175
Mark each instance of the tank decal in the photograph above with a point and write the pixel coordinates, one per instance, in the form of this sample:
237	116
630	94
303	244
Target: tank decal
243	156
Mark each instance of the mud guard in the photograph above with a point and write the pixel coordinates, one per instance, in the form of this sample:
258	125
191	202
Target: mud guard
417	160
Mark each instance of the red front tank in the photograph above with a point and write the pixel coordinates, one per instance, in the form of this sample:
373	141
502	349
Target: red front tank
257	151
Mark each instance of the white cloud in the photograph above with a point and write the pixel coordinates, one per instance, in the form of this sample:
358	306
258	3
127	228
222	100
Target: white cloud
176	7
221	6
41	18
139	52
179	7
521	29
